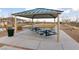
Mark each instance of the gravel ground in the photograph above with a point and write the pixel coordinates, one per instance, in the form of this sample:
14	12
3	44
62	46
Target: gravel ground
74	33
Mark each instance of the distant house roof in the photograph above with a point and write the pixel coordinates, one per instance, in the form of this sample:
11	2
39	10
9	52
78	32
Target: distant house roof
39	13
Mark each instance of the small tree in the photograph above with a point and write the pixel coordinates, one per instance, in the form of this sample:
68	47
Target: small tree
4	21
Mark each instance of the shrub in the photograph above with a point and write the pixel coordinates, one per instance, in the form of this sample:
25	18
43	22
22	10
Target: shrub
19	27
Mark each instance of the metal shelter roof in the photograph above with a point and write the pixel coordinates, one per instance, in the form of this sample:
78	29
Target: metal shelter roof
39	13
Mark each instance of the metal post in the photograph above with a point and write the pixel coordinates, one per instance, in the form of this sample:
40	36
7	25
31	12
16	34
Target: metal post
58	30
15	24
32	22
54	20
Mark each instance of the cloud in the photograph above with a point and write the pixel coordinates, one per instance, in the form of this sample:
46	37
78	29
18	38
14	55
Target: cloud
0	10
28	8
75	9
40	3
67	11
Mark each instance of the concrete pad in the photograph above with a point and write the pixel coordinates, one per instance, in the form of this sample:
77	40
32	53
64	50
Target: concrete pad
49	43
6	39
22	40
50	46
32	40
32	44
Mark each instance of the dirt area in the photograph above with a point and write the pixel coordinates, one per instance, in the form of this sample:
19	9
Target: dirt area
4	33
74	33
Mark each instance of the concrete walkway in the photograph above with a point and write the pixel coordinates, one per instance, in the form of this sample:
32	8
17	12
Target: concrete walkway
28	39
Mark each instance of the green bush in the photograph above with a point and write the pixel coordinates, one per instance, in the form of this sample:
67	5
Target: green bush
19	27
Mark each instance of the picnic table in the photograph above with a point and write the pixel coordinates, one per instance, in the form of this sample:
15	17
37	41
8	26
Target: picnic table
46	32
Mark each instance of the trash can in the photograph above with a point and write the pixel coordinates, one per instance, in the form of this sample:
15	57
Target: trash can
10	32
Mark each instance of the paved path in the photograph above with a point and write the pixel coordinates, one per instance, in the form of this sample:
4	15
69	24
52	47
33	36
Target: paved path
28	39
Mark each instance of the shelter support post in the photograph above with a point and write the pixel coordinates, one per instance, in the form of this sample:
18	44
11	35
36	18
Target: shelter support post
54	20
32	22
15	24
58	30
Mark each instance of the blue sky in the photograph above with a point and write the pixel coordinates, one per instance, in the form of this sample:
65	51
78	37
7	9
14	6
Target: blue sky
69	7
8	11
69	12
8	7
4	12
